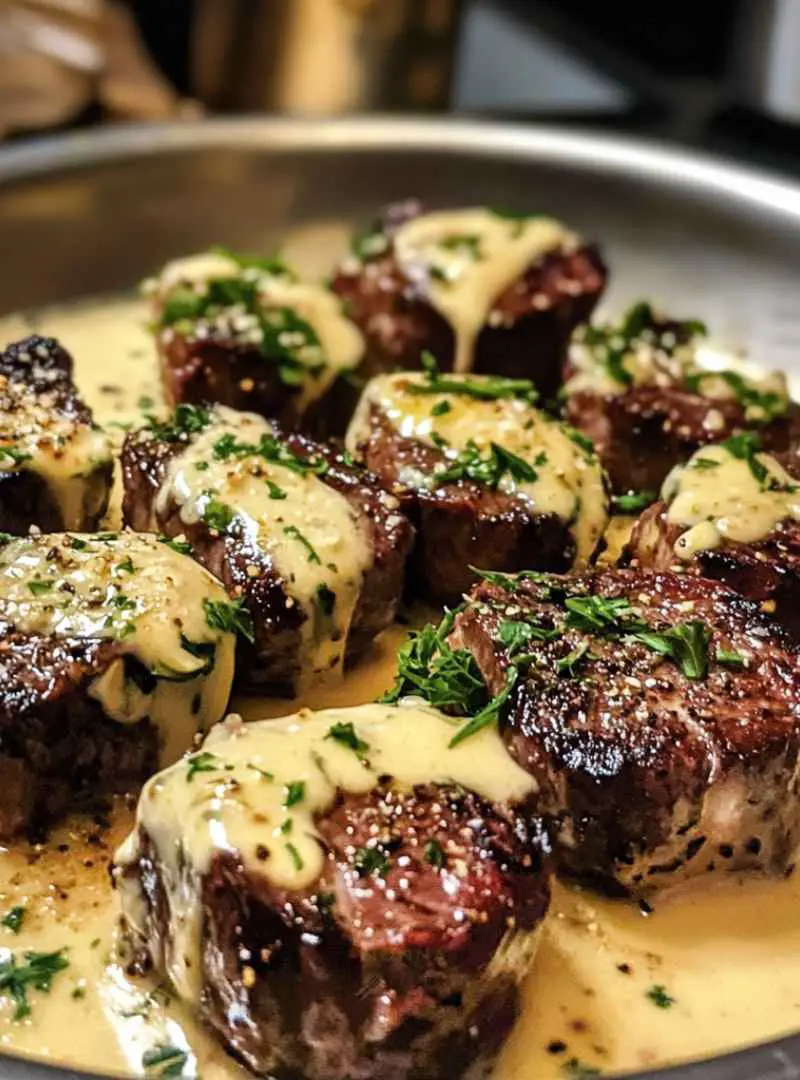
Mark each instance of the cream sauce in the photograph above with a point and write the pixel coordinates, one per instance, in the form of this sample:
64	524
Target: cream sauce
68	454
728	951
465	259
147	598
340	345
568	483
310	531
264	784
717	497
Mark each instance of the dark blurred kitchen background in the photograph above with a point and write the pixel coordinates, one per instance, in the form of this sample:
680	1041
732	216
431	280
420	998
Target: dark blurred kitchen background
721	74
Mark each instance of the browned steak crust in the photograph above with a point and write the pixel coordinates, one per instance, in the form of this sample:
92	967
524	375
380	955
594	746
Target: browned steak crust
58	750
642	433
767	571
463	524
44	368
530	329
399	975
648	775
272	659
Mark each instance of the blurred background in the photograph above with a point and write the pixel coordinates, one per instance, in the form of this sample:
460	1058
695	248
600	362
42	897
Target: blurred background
721	74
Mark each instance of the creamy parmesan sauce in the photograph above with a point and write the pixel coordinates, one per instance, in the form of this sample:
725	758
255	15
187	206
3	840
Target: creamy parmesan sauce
263	784
728	952
465	259
144	596
568	484
340	347
310	531
36	435
717	497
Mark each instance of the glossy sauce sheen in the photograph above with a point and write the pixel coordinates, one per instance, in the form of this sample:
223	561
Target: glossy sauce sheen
729	954
568	484
465	259
719	497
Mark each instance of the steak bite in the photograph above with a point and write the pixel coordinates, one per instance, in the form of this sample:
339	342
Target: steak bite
247	333
112	658
479	289
659	715
341	894
55	464
308	543
488	480
640	392
731	513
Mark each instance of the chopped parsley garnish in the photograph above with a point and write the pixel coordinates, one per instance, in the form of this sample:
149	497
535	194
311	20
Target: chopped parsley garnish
369	244
269	448
434	854
218	515
275	492
441	408
468	243
126	565
286	827
35	972
744	446
703	464
596	614
489	470
202	762
182	547
489	388
13	918
567	665
295	856
231	616
761	406
263	773
14	454
516	636
517	219
686	644
145	402
730	658
371	860
659	996
168	1060
77	544
185	420
40	587
489	714
273	265
326	600
295	793
345	734
294	532
576	1069
632	502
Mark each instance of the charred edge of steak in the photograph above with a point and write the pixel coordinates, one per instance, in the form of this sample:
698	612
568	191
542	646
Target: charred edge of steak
58	750
403	968
766	571
647	775
271	661
45	367
461	524
528	337
642	433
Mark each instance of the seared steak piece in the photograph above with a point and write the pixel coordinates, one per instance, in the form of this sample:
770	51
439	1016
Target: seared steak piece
55	464
111	660
731	513
659	714
479	289
640	393
488	480
245	332
309	543
373	907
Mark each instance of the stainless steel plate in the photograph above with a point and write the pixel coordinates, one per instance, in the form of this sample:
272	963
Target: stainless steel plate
83	215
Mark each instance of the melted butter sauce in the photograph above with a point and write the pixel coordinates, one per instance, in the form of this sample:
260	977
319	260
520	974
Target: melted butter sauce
728	953
719	497
567	483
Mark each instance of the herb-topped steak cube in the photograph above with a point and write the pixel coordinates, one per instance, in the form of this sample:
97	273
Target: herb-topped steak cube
731	513
659	715
55	464
489	481
482	290
308	544
111	661
247	333
341	894
639	392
